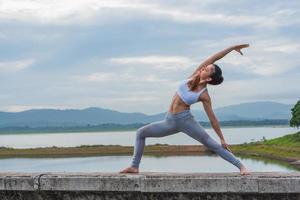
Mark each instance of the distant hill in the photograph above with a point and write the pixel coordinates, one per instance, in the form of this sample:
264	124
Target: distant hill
249	111
256	111
95	116
71	117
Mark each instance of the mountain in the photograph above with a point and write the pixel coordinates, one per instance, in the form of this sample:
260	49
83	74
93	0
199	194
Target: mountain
95	116
70	117
257	110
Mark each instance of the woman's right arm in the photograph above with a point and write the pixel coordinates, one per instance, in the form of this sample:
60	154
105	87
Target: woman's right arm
206	101
219	55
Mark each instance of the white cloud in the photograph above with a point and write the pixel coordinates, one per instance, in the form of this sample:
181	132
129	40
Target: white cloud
273	52
198	12
83	11
156	61
101	77
263	65
135	98
19	108
271	55
186	16
61	12
284	48
119	77
276	89
12	66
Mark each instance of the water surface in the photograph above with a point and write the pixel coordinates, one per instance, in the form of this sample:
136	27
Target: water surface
195	163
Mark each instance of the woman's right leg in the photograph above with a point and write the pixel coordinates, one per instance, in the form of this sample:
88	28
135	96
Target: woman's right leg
192	128
155	129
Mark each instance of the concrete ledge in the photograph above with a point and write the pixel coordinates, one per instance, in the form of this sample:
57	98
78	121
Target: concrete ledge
145	182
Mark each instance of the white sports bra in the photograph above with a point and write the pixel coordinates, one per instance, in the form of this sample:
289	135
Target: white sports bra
189	97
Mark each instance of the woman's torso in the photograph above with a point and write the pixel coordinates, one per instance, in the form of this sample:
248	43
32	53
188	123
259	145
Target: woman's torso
178	105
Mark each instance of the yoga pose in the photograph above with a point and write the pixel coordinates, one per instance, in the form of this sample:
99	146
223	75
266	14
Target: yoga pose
179	117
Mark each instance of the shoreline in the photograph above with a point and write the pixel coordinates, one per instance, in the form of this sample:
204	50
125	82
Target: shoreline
101	150
291	157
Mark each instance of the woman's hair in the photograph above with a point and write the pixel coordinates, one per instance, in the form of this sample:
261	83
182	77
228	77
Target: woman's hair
217	77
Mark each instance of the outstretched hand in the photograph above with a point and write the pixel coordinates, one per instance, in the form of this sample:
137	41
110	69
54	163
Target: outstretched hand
225	145
239	47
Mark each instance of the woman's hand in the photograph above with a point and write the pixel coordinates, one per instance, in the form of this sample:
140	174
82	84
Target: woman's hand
239	47
225	145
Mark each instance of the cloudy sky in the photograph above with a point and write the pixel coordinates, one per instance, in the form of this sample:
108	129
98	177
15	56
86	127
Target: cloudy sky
130	55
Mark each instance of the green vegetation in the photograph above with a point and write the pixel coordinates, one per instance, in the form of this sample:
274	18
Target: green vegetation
101	150
285	148
295	120
290	140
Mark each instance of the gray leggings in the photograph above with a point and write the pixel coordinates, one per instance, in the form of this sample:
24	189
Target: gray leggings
179	122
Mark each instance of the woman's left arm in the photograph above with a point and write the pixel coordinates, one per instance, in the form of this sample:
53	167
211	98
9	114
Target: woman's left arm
213	119
219	55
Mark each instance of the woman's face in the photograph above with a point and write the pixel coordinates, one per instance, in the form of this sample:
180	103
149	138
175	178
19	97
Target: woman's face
206	71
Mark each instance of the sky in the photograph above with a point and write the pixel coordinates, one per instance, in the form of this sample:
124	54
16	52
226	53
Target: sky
130	55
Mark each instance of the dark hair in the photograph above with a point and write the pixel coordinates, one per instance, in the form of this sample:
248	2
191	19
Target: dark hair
217	77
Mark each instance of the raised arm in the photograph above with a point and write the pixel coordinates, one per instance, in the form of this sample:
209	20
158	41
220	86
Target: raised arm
219	55
206	101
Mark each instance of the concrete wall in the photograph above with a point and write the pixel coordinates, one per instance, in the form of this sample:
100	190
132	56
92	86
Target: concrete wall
149	185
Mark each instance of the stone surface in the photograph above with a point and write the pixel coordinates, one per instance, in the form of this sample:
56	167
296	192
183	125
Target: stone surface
150	185
90	182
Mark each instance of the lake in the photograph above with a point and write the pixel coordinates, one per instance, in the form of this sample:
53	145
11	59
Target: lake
197	163
233	135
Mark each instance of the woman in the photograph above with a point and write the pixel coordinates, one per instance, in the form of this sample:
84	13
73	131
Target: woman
179	118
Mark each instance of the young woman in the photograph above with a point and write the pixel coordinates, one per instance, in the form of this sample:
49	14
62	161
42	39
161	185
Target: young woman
179	118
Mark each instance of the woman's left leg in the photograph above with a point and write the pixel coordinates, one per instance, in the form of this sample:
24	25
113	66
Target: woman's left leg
192	128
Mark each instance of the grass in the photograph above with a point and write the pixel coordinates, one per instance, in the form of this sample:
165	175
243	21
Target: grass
101	150
283	148
290	140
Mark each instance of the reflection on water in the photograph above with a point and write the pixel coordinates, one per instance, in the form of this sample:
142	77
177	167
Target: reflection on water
195	163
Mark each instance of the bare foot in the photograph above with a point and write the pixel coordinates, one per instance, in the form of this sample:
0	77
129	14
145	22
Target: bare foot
244	171
130	170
